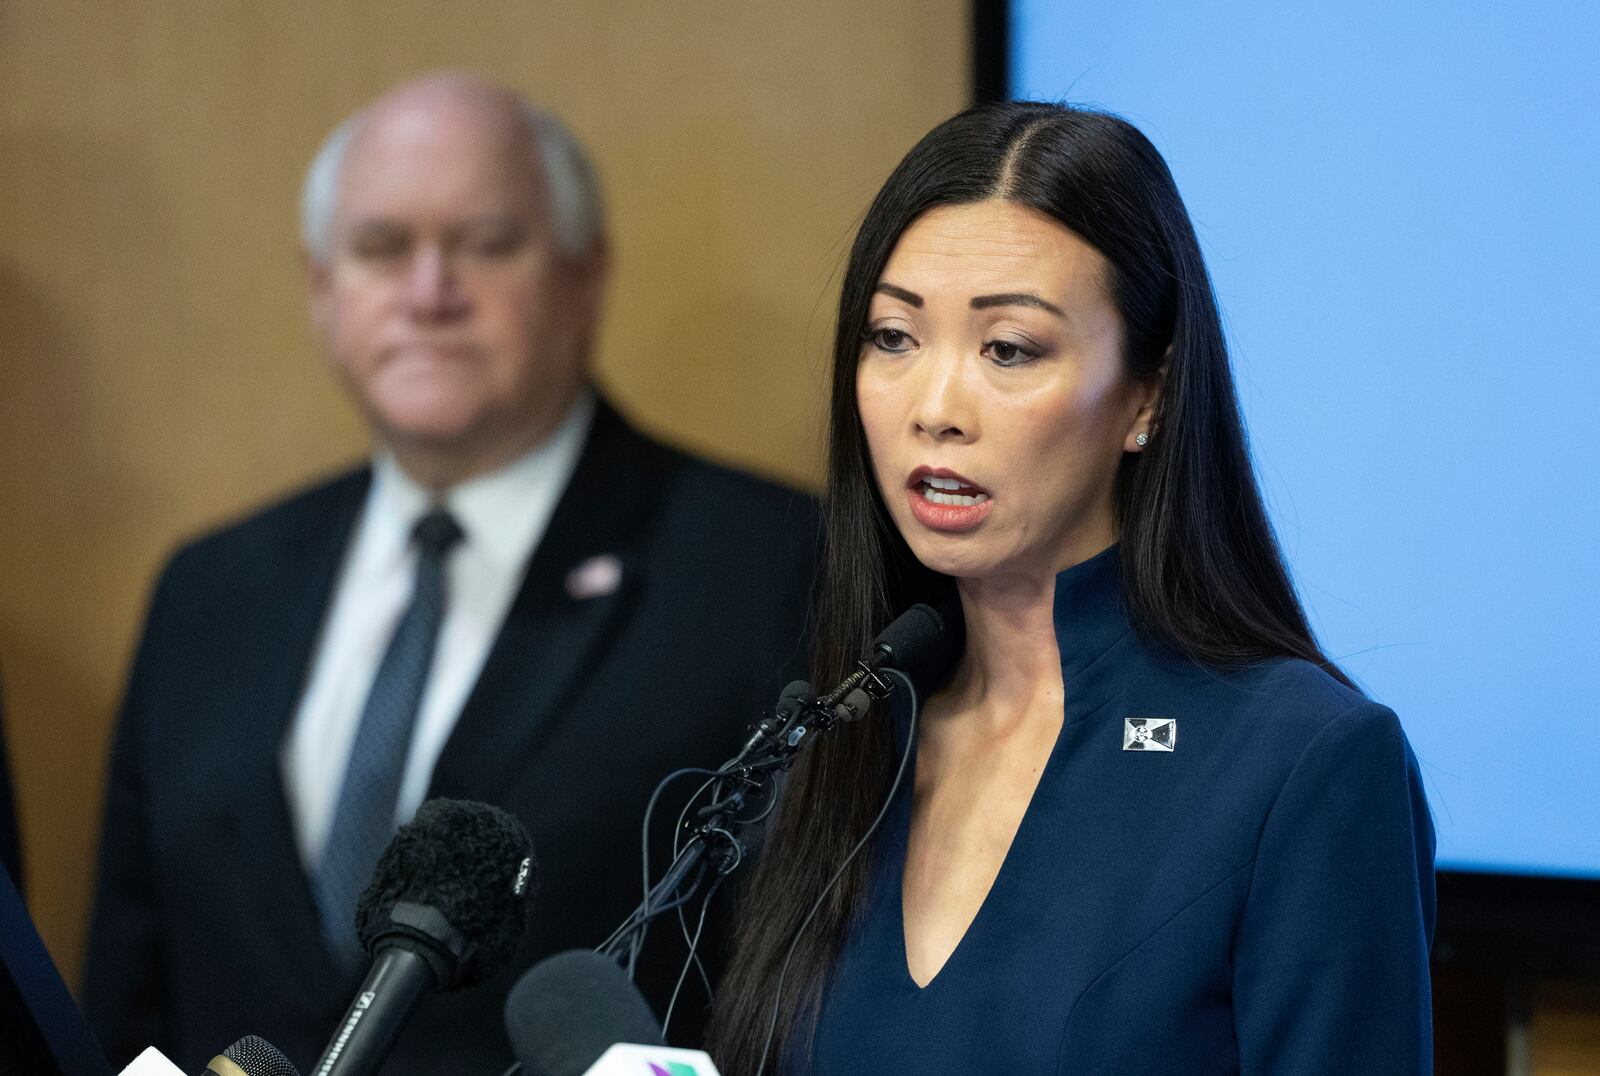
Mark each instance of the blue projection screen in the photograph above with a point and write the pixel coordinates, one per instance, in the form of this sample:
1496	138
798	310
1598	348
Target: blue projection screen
1400	206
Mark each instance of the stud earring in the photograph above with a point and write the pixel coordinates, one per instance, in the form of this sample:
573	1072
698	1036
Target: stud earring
1141	439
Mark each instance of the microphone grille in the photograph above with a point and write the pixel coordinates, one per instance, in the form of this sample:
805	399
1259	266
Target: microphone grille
258	1057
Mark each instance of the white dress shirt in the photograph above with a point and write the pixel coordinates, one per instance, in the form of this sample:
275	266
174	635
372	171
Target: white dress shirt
503	515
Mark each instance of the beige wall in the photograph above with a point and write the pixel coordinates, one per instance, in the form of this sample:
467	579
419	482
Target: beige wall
158	374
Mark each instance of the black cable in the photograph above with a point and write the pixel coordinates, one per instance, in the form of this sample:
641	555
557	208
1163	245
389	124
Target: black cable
694	958
640	916
767	785
683	815
639	922
691	885
649	811
639	913
772	800
905	756
648	912
694	943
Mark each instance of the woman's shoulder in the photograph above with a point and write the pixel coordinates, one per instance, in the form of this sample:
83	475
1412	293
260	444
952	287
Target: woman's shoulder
1282	705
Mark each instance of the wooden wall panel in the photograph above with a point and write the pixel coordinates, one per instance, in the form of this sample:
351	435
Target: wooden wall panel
1566	1029
158	374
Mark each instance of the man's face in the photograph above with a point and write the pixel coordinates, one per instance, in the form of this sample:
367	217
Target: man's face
443	300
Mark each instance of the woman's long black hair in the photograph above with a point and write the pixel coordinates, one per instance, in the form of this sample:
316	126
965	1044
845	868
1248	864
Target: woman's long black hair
1201	569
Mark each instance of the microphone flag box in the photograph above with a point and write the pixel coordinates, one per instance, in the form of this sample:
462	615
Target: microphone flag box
630	1059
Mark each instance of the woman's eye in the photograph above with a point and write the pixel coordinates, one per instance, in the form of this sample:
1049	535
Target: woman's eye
893	341
1010	353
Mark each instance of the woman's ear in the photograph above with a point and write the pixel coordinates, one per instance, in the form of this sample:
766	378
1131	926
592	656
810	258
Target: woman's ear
1147	395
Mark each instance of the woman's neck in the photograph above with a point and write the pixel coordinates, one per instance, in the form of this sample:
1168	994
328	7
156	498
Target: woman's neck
1011	657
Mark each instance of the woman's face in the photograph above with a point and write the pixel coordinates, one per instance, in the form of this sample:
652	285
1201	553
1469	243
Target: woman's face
992	392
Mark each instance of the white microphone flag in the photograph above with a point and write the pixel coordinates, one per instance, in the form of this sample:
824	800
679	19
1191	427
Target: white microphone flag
629	1059
151	1063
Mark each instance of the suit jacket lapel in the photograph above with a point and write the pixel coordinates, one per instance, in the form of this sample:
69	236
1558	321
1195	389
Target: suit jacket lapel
290	610
559	621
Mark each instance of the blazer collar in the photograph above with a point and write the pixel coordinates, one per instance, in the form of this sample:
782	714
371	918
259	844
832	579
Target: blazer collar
298	570
1089	613
1090	616
581	578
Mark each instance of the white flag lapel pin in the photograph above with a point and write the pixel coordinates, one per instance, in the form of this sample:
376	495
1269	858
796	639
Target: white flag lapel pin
1149	733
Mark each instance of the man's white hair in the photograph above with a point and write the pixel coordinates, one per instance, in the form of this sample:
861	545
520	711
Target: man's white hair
577	218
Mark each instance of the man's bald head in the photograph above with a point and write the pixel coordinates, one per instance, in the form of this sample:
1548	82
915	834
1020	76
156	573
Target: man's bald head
457	272
553	156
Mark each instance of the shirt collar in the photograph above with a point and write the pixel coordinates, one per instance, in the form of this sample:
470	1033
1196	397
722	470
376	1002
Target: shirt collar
504	513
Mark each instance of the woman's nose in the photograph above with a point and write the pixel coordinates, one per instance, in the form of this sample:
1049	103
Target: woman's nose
943	406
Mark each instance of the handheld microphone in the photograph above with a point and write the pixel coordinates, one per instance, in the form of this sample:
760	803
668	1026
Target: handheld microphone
577	1014
251	1056
569	1008
446	908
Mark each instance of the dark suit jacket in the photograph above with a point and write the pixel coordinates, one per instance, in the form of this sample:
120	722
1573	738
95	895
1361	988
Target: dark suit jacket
10	843
204	928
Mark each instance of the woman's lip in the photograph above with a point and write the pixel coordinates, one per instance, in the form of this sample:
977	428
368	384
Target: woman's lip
941	472
947	517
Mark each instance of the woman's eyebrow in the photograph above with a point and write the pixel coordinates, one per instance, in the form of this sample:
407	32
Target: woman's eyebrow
1016	298
896	292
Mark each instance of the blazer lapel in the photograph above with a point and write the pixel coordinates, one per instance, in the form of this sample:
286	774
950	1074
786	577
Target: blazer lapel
580	581
290	610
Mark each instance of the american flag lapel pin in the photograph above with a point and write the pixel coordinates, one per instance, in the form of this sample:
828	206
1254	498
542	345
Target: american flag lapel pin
596	577
1149	733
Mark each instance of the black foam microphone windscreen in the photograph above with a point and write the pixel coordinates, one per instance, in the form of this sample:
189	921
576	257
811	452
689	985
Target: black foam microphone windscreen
910	639
472	864
795	694
446	908
570	1008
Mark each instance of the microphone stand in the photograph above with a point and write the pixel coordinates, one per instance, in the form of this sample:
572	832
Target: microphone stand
713	845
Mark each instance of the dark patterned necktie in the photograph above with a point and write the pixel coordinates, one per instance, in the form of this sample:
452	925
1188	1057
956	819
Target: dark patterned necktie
364	819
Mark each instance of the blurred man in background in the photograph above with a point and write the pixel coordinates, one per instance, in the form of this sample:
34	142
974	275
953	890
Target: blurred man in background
520	600
10	842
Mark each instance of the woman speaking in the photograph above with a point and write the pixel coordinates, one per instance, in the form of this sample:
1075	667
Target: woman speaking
1141	824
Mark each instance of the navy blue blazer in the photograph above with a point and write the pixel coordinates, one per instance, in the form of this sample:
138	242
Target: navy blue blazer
1258	899
204	929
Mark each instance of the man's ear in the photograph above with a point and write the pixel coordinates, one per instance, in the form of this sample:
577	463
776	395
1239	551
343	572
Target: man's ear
597	274
319	289
591	274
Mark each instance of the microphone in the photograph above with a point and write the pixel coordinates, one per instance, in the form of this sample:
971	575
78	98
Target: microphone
910	639
578	1014
913	638
446	908
569	1008
251	1056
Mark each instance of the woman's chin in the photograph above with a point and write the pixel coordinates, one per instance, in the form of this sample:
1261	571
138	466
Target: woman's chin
959	557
